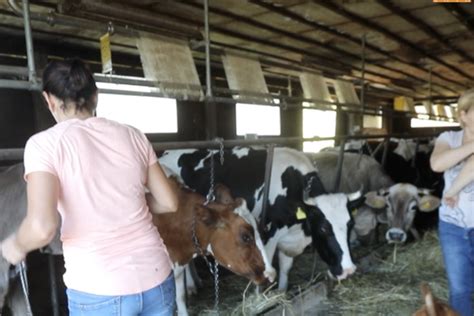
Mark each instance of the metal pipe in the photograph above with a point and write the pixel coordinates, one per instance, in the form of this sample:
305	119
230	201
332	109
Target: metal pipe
385	151
19	84
17	153
266	189
30	54
340	161
13	70
362	89
11	154
207	40
54	287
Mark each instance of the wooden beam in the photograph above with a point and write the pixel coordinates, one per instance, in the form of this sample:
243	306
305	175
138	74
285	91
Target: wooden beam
331	30
427	29
330	5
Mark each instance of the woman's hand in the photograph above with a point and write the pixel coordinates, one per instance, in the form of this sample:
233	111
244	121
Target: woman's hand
451	201
11	251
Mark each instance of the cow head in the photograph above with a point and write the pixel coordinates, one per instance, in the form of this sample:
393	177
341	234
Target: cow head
331	222
398	205
224	196
232	240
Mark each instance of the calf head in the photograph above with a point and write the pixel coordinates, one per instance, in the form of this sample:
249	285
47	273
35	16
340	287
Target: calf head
224	196
397	207
232	240
432	306
331	222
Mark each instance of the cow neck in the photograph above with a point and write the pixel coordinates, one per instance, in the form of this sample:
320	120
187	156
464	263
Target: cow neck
197	240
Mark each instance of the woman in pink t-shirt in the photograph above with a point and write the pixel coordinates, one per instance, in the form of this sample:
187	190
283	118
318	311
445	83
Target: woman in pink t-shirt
91	174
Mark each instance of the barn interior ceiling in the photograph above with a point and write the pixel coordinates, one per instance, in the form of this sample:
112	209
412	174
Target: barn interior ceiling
399	45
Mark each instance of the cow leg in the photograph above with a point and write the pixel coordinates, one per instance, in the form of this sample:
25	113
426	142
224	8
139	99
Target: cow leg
285	263
16	299
192	278
178	272
4	281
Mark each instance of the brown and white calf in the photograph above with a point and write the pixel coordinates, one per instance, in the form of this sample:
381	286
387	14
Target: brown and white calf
220	231
433	306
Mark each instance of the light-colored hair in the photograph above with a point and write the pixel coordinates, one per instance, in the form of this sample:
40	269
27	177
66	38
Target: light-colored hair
465	103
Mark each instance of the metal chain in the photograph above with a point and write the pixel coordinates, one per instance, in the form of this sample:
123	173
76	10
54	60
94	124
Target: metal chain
210	195
221	149
216	286
213	269
307	189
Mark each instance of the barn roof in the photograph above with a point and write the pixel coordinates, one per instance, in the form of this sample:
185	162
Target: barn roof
406	41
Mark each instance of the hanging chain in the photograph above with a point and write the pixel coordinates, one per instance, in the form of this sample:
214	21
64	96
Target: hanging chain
210	195
216	286
307	189
213	269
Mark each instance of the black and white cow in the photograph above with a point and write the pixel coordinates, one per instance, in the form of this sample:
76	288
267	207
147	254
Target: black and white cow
299	211
12	211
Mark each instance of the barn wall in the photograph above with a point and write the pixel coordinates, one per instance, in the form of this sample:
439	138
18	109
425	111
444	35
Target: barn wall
17	118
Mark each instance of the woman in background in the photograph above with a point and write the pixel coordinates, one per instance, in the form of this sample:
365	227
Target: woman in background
454	155
91	173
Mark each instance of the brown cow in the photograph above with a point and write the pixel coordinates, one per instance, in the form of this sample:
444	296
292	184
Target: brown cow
220	232
432	306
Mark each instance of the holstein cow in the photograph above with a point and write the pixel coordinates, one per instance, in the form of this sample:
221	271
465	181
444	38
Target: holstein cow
358	171
12	212
397	207
299	211
215	228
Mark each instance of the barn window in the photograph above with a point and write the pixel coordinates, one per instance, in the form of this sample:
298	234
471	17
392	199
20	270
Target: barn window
423	121
372	121
147	113
257	119
318	123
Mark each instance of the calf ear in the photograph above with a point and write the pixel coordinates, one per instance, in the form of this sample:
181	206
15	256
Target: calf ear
206	215
428	203
223	194
374	200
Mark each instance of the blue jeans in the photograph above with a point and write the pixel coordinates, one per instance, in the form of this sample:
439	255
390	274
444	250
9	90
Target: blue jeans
158	301
457	244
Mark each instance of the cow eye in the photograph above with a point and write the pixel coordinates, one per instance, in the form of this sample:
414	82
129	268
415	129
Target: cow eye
246	238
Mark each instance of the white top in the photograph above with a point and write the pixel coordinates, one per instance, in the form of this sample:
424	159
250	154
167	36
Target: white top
463	213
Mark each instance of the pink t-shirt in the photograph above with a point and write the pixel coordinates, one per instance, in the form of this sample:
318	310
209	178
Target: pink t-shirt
111	246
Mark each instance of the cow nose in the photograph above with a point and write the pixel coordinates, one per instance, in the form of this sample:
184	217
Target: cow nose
346	273
395	235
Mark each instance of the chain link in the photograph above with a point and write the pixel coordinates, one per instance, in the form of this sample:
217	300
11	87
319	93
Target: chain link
210	195
213	269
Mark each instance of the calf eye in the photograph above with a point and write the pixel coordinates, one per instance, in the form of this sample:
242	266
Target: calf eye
246	238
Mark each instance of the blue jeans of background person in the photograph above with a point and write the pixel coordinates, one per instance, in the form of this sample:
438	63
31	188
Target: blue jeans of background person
158	301
457	244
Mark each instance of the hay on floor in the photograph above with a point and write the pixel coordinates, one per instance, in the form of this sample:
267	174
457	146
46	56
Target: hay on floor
392	288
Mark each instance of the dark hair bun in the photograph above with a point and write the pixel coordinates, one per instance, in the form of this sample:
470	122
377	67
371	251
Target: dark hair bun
71	81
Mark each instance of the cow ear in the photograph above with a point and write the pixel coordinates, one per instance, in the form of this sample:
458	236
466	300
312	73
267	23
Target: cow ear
207	215
355	200
223	194
429	203
374	200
